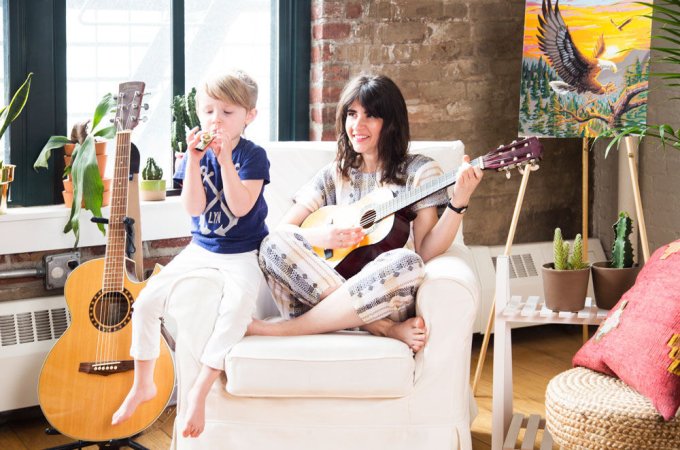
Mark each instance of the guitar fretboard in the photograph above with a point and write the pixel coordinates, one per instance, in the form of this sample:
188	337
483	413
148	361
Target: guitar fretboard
114	260
407	198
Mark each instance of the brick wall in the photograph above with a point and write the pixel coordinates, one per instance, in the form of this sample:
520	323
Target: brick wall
458	64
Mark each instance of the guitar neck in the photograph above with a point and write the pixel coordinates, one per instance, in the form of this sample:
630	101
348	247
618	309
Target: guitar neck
407	198
114	260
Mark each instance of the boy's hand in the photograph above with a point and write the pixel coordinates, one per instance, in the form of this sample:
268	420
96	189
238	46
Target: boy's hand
222	146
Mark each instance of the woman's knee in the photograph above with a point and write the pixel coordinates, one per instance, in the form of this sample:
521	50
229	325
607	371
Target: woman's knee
404	259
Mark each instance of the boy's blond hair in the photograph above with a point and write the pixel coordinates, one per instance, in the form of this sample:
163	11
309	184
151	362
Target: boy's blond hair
235	87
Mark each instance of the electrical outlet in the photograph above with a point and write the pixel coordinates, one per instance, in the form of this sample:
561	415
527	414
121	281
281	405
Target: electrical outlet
59	267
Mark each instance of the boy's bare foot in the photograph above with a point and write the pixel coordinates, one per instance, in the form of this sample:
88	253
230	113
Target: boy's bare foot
195	416
412	332
136	396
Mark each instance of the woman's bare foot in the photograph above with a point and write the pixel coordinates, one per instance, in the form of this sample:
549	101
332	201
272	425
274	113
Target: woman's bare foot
412	332
136	396
195	416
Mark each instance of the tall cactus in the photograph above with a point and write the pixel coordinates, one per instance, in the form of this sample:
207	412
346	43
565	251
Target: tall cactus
622	249
192	117
178	137
560	250
576	258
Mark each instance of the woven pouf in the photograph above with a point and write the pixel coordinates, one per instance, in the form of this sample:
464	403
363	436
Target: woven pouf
591	411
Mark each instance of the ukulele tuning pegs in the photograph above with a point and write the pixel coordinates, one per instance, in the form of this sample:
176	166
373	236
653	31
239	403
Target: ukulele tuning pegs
145	106
144	118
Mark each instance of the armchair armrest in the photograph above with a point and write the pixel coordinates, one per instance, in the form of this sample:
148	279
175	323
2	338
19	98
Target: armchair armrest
447	300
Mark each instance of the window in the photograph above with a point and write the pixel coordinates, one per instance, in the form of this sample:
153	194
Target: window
110	42
82	49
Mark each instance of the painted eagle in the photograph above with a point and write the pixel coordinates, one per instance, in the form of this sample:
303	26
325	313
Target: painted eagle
578	72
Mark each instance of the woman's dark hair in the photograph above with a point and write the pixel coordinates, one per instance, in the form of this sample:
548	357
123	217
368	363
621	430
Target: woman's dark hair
380	97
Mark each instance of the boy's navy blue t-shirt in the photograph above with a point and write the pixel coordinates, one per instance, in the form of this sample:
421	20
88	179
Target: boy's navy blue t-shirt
217	229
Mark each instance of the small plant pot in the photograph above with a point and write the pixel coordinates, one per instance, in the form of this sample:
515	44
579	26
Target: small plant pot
565	290
68	198
610	283
6	177
100	151
152	190
68	184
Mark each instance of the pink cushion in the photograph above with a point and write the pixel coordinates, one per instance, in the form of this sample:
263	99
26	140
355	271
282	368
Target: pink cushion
639	341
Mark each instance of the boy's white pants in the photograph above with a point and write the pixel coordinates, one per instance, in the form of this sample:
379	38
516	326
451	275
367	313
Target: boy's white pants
242	280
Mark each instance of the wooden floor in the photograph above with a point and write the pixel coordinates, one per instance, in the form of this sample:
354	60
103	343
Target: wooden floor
539	353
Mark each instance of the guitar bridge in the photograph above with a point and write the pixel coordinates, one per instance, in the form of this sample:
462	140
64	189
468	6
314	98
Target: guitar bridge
107	367
328	253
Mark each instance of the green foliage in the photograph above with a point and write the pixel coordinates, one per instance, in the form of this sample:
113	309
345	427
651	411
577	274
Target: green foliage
151	170
87	183
183	116
622	249
9	113
562	259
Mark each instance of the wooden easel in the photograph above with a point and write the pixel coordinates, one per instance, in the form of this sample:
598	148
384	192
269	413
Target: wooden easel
508	247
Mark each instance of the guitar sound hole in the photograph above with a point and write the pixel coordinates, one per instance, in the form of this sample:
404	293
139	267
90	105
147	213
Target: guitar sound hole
111	311
368	219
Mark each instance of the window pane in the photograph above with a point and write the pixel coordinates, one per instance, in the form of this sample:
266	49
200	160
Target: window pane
237	34
109	43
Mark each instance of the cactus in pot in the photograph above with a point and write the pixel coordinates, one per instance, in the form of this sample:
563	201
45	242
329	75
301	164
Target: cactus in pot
622	249
611	279
152	186
565	281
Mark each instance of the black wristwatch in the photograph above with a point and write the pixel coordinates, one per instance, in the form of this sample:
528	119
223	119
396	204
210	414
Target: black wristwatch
460	210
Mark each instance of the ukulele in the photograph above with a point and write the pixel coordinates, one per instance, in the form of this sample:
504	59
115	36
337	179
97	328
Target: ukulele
385	217
88	372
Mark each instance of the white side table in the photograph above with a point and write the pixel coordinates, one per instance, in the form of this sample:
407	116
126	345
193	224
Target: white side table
506	426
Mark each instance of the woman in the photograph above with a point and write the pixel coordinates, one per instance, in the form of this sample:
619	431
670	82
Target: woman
373	130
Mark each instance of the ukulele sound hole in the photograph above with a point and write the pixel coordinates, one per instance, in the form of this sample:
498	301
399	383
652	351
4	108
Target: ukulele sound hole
110	311
368	219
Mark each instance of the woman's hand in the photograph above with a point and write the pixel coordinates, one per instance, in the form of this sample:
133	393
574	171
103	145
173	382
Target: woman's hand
468	180
334	237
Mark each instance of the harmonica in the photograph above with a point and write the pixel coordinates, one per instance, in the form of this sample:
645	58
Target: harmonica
206	139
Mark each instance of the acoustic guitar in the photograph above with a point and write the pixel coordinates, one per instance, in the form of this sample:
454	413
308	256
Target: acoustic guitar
88	372
385	217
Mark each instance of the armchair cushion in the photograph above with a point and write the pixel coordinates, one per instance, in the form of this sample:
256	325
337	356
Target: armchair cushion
344	364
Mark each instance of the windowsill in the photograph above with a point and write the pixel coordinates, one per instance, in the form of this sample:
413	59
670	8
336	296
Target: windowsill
40	228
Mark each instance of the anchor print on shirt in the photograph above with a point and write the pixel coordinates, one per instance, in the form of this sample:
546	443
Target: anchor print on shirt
209	218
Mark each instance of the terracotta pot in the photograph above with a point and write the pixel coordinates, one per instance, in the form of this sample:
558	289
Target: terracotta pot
565	290
68	198
609	283
68	184
100	151
152	190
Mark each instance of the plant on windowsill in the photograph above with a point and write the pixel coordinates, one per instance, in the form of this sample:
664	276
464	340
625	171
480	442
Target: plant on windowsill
611	279
152	186
83	167
565	281
183	117
7	115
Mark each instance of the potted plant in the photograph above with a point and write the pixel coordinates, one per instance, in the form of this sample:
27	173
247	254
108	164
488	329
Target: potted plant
183	117
88	187
565	281
7	115
152	186
611	279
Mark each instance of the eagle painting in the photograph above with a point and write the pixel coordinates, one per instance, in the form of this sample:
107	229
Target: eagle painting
578	72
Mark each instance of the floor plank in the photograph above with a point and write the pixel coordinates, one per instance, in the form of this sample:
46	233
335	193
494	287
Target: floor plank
539	353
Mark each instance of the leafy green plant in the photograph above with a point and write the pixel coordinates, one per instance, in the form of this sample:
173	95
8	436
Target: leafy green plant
88	188
622	248
563	260
9	113
666	12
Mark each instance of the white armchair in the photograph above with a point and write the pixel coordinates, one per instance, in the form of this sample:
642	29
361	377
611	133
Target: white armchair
345	390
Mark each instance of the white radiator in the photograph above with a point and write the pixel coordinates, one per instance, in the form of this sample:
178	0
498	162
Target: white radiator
525	271
28	330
